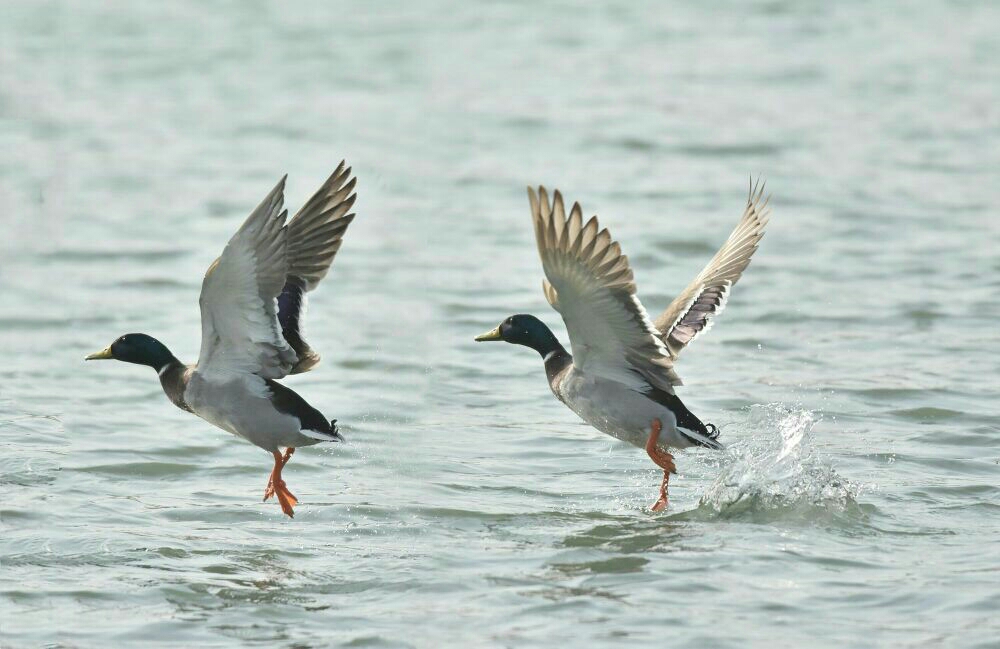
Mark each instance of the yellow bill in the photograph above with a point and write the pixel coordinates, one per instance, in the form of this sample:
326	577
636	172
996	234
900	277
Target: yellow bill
490	335
104	353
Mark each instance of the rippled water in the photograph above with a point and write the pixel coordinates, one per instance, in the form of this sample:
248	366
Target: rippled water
854	374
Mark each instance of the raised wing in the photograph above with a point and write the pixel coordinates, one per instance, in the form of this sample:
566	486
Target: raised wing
692	312
239	322
589	282
314	237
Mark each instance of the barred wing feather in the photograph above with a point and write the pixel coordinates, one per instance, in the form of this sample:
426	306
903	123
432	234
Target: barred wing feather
589	282
693	311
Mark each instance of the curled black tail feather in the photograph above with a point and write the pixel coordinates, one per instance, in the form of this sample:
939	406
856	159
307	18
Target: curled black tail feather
686	420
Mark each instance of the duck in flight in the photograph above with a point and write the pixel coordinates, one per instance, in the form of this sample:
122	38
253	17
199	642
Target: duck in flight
252	301
620	378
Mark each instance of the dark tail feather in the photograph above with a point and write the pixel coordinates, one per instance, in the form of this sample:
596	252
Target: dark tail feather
336	431
686	420
711	433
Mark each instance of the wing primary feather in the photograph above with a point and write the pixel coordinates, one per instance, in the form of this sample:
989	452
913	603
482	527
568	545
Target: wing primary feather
718	277
588	238
559	220
315	236
575	230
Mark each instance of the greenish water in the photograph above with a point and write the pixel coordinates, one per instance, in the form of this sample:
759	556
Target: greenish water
854	373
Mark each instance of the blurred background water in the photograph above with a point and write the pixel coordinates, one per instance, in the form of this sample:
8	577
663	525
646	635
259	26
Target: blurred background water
854	374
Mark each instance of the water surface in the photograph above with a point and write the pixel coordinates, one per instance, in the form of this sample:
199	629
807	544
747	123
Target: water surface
854	374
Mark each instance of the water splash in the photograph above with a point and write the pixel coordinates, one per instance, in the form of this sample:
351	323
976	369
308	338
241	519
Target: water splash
774	474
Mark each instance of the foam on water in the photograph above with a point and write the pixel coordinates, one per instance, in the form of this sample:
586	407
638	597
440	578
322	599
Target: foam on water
774	472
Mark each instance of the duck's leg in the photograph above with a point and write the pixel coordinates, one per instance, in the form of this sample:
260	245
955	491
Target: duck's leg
269	490
663	460
285	497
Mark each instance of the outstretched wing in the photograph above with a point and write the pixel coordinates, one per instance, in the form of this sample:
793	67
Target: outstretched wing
239	321
314	237
692	312
589	282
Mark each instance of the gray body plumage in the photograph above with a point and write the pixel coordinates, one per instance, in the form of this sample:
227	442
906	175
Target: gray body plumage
243	406
618	410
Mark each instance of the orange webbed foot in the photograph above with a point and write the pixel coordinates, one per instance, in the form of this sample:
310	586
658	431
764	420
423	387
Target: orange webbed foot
286	499
269	490
663	460
276	486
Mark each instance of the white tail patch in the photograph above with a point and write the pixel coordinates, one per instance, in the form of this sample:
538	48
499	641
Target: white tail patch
323	437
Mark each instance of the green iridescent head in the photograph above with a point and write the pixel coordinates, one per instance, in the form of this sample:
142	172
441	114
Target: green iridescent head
523	329
136	348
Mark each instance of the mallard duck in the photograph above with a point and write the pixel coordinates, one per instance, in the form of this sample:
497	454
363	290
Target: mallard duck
620	378
252	302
